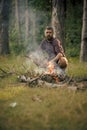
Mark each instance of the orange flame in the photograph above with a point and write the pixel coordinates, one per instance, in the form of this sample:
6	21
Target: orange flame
50	67
51	70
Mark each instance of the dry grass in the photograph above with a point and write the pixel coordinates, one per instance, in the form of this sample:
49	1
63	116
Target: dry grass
41	108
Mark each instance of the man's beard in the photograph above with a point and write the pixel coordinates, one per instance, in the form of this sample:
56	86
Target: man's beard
49	38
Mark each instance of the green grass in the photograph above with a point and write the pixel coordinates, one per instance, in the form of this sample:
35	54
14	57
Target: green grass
40	108
76	68
57	109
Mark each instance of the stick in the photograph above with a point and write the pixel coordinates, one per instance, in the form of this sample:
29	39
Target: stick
34	79
3	70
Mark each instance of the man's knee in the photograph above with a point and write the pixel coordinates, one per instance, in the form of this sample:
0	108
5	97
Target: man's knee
63	62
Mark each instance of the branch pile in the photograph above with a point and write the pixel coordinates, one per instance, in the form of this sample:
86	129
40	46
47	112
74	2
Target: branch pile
46	80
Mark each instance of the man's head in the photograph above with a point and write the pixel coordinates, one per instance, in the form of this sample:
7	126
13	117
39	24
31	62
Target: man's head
49	33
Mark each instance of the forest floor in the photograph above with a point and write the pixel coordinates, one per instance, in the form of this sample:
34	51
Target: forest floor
41	108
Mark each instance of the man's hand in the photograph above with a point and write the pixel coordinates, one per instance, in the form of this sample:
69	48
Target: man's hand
61	60
57	58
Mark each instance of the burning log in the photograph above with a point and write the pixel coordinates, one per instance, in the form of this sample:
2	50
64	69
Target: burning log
48	81
51	78
43	79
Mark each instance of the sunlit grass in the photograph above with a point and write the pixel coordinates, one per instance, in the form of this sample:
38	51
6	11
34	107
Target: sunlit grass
10	92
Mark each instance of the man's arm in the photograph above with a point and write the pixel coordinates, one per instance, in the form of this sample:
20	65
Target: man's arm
59	48
56	58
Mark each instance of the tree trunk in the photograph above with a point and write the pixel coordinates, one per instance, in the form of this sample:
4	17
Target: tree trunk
4	27
18	20
26	22
58	17
83	52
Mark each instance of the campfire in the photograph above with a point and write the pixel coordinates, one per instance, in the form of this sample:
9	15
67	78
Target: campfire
48	76
46	73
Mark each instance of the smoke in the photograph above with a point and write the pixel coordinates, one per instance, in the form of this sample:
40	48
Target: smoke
37	23
36	33
38	20
33	31
30	32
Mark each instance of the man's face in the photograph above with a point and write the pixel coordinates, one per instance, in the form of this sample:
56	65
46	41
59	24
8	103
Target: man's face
49	34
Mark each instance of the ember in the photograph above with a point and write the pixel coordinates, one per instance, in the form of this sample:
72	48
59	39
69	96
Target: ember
56	78
50	78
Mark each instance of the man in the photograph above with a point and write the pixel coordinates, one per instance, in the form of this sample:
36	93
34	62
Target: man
53	47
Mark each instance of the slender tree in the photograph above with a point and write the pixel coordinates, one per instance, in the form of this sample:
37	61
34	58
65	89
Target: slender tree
58	18
26	21
83	52
18	20
4	26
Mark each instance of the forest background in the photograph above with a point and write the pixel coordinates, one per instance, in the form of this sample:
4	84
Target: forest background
26	21
22	24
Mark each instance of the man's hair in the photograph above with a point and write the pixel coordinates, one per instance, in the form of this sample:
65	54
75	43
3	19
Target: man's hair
49	28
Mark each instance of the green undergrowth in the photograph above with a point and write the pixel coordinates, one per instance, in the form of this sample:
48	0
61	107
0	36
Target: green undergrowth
40	108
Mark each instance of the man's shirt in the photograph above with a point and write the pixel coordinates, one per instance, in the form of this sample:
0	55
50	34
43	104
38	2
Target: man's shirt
52	47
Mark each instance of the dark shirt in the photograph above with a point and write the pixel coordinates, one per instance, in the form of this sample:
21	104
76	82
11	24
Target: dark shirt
52	47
